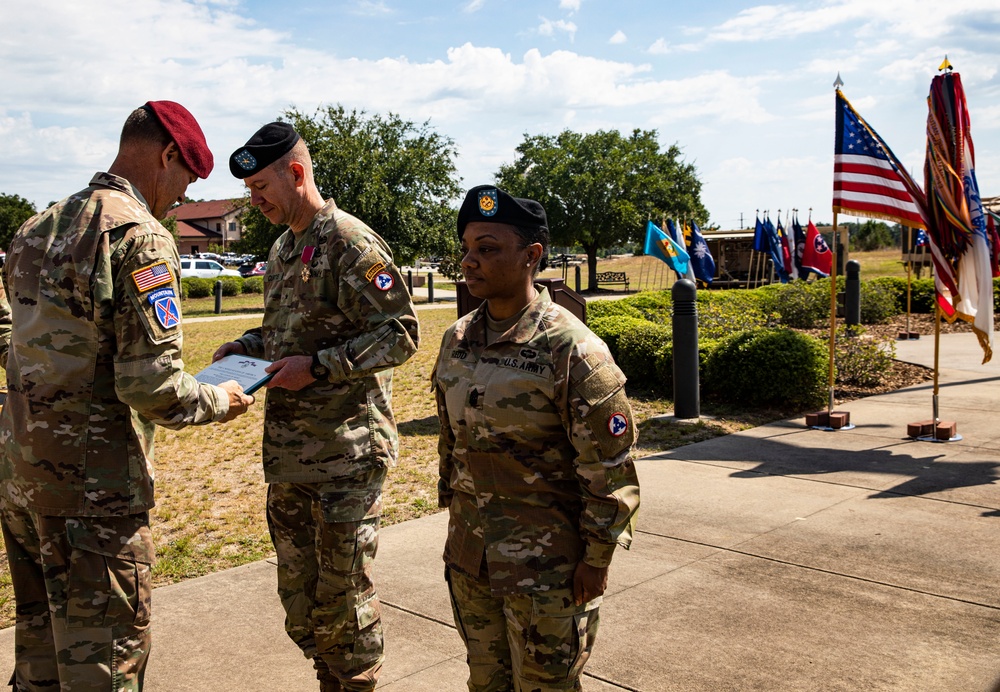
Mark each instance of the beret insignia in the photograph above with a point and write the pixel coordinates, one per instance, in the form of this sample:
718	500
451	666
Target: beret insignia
245	160
488	202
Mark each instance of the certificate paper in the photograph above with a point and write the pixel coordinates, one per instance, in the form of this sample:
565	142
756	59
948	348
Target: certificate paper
247	371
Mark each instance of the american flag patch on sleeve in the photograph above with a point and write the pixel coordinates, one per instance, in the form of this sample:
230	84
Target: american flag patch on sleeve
152	276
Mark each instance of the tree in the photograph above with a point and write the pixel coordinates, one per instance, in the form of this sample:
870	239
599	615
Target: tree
871	235
14	211
599	189
396	176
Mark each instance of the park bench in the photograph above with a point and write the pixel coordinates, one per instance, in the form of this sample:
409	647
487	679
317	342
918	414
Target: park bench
612	278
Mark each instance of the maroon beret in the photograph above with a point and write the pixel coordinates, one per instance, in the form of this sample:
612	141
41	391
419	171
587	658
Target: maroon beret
186	133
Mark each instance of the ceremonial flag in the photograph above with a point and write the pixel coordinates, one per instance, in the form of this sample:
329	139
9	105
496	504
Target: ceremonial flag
800	246
774	249
672	232
786	249
701	257
921	238
868	179
665	248
759	237
958	232
816	255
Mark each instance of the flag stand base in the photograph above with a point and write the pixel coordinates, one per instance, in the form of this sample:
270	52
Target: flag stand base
829	420
933	431
908	336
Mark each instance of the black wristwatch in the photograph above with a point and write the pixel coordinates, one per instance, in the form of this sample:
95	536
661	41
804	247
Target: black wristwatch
318	370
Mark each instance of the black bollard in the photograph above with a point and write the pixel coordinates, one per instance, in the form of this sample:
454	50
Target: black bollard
577	268
430	287
687	399
218	297
852	295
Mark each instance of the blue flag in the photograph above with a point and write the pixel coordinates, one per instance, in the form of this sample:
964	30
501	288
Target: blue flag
774	249
701	258
672	232
759	237
663	247
921	238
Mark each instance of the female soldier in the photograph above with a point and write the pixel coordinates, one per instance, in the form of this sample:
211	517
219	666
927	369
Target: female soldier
535	459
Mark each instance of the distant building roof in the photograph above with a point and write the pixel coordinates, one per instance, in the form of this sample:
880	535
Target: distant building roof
211	209
189	231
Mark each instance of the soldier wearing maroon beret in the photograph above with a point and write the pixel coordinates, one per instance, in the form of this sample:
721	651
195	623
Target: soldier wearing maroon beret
93	348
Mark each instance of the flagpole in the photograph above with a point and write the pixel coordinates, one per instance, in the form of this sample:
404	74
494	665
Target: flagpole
833	310
909	276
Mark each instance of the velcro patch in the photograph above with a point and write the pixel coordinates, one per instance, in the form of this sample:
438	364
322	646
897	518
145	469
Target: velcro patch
384	281
162	293
167	312
152	276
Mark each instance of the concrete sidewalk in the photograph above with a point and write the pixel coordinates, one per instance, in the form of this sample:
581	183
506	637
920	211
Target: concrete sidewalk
779	558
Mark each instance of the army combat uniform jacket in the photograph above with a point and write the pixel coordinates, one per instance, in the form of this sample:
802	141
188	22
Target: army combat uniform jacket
94	358
333	291
535	449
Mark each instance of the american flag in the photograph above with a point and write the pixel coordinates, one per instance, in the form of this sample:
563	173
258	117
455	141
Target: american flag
868	180
152	276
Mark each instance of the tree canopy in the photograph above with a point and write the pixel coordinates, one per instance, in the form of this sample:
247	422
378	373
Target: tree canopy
599	189
396	176
14	211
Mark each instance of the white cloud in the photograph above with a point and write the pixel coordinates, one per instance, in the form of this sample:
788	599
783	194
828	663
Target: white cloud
548	27
659	47
571	5
371	8
619	37
474	5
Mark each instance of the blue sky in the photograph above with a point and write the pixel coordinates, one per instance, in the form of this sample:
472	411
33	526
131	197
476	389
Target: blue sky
745	89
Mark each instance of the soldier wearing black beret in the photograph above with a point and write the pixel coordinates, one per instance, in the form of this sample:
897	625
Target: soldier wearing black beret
337	320
535	463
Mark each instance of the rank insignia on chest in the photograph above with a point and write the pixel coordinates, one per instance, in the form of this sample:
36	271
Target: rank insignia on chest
152	276
384	281
167	313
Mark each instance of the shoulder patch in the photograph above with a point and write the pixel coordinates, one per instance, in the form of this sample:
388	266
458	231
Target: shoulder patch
374	270
152	276
167	312
384	281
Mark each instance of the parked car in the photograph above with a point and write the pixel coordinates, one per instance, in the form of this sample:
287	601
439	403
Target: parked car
204	269
253	269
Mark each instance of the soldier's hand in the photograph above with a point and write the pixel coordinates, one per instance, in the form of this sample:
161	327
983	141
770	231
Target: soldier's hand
291	373
227	348
239	403
589	582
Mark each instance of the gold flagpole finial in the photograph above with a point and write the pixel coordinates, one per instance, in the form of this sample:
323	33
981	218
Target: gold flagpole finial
946	65
838	83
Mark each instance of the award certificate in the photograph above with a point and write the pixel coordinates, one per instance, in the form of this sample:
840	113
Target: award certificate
247	371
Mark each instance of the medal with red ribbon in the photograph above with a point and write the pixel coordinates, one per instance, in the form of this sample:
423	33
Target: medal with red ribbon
307	254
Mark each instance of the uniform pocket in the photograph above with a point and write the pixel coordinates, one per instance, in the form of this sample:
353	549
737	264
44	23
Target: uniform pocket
109	582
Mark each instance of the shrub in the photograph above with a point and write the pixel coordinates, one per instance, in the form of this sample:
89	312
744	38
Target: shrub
607	308
665	363
878	303
637	347
655	306
611	328
231	285
799	304
861	361
767	367
895	285
922	296
198	288
253	284
725	312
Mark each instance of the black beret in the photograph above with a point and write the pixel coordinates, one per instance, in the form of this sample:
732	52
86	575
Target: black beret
490	204
267	145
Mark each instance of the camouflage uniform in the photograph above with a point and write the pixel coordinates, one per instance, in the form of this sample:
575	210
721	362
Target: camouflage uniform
91	369
332	291
536	471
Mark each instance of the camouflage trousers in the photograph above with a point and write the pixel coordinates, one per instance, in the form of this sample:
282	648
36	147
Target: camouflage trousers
325	536
82	588
530	642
